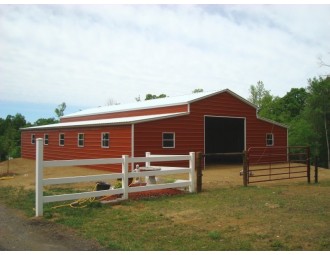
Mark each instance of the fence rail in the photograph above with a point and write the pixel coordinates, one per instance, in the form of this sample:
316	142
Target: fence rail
125	175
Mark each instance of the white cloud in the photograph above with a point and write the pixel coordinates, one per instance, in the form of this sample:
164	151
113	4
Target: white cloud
84	55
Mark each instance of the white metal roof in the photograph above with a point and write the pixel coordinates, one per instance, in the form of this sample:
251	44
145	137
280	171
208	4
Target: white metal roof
161	102
113	121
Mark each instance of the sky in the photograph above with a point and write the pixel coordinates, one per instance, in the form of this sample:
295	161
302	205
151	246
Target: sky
87	55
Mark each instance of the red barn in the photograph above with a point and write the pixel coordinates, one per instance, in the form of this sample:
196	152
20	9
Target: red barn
209	122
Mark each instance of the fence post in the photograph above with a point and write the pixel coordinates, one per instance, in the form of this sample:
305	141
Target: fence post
192	176
125	177
316	170
245	169
308	165
199	172
148	164
39	176
147	156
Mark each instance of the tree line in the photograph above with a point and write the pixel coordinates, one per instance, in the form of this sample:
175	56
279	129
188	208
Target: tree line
305	110
10	135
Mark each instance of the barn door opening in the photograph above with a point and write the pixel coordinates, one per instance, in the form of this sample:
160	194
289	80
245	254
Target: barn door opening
224	135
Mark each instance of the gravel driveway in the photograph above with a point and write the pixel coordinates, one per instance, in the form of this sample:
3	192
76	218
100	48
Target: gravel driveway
19	233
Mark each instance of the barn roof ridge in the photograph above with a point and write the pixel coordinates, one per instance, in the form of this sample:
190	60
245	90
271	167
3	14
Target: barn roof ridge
155	103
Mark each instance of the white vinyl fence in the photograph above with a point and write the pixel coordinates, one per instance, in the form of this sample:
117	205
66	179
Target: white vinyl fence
124	175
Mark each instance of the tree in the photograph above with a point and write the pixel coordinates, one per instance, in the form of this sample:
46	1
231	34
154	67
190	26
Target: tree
43	121
266	103
295	101
111	101
197	91
272	108
150	96
259	95
322	63
318	113
60	110
301	133
287	108
10	137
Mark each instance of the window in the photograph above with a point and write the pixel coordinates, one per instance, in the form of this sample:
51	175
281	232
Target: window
81	138
105	138
168	140
61	139
270	139
45	139
33	138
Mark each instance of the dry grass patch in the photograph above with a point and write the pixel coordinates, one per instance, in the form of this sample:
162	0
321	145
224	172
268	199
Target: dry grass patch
286	215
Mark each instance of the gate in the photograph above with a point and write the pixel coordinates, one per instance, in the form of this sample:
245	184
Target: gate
263	164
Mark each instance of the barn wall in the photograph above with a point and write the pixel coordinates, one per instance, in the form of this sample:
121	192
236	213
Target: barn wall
257	130
160	110
189	129
120	144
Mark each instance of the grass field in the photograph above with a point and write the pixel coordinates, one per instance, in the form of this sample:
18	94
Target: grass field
288	215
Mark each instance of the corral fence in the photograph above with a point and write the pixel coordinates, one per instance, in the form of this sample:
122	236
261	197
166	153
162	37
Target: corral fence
264	164
125	175
5	167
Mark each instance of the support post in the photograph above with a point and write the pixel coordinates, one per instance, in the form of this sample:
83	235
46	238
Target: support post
308	165
125	173
8	159
192	176
39	176
245	169
199	174
316	170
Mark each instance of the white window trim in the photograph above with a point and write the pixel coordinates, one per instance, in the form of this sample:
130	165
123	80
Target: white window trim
173	133
46	139
272	134
83	140
33	139
102	140
59	139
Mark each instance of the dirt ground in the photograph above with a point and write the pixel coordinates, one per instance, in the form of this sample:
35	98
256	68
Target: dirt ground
21	233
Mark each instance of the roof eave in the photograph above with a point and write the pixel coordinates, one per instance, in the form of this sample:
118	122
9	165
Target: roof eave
80	124
273	122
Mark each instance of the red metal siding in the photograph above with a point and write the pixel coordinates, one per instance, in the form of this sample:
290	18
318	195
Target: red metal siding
148	136
120	144
160	110
189	130
257	130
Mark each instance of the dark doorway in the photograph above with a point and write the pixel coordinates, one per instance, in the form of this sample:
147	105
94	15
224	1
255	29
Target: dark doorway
224	135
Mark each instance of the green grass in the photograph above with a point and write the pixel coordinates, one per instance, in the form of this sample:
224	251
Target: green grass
278	217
